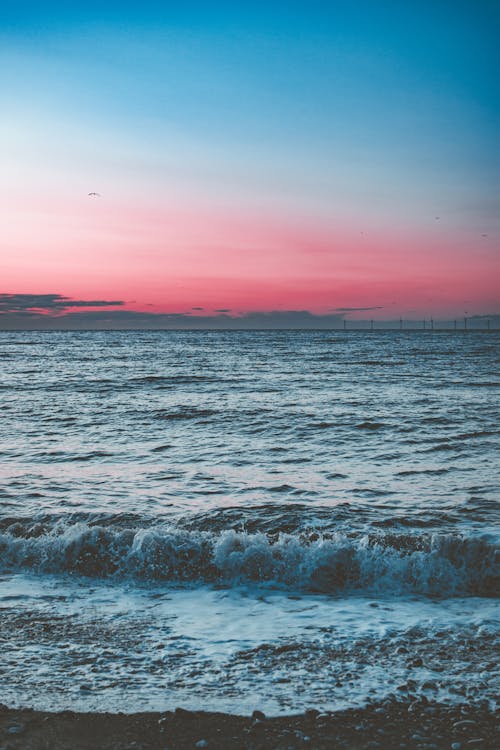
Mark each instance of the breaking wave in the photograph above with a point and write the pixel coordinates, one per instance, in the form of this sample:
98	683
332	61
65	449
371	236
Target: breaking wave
440	565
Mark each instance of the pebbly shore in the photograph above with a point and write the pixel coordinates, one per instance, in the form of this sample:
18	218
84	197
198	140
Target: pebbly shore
421	725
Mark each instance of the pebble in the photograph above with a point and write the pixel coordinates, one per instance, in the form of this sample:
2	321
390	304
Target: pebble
259	716
15	729
201	743
418	662
456	745
429	685
464	724
418	738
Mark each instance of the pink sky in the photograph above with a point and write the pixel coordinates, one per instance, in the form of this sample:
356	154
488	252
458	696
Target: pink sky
172	258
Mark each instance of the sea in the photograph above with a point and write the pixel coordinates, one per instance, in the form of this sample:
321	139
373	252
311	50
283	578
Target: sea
240	520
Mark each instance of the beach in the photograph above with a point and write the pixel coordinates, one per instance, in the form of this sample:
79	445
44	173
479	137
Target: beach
419	725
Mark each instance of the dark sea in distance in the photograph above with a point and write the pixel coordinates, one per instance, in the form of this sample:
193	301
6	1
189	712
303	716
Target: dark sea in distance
240	520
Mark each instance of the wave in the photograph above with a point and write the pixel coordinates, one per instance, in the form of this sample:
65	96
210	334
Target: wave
177	379
369	425
375	362
440	565
411	472
476	384
184	412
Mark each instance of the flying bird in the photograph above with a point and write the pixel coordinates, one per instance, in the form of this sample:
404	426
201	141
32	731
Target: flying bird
94	195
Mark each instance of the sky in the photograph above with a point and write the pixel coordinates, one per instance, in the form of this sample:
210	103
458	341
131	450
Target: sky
257	161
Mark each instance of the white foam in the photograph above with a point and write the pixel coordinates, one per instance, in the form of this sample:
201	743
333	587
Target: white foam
437	564
143	647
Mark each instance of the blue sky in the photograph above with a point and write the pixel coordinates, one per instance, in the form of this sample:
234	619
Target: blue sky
340	116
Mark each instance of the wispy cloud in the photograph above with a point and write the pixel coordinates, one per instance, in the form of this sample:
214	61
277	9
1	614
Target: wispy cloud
357	309
46	304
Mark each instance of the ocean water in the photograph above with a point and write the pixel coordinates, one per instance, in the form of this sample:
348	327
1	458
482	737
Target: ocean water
240	520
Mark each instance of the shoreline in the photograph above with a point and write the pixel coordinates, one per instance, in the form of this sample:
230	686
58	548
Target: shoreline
385	725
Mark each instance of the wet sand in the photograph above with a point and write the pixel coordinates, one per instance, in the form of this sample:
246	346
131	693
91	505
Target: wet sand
387	725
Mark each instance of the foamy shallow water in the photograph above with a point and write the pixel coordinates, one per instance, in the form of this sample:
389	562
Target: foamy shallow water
95	646
231	521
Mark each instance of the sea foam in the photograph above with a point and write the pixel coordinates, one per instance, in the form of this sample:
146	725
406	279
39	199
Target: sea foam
441	565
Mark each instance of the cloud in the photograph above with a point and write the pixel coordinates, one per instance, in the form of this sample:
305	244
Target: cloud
46	304
357	309
21	312
223	310
57	312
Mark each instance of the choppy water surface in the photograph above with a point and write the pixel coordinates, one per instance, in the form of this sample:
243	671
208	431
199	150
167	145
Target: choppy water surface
228	520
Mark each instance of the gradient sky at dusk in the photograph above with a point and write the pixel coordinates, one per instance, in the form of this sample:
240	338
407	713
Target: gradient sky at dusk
251	157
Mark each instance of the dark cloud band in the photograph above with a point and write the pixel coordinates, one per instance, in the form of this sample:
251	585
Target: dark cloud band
46	304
